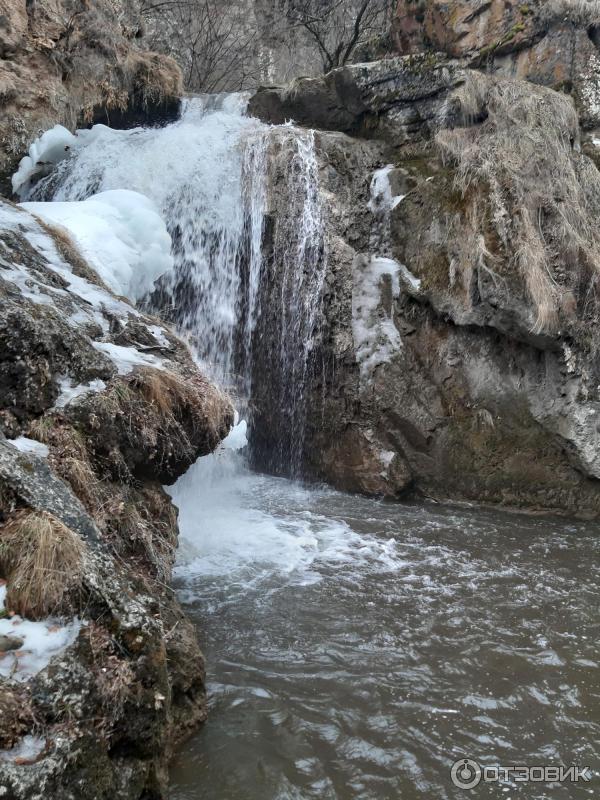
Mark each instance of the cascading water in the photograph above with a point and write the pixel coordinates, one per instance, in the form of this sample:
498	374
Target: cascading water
209	175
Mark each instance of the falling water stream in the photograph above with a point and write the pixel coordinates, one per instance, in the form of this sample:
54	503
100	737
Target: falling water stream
355	648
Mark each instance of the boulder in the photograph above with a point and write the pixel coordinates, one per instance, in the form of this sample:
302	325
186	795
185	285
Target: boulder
102	404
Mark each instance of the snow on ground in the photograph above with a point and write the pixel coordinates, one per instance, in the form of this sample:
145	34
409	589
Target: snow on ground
42	641
26	445
98	307
26	751
69	392
24	223
126	358
159	335
237	438
120	233
376	338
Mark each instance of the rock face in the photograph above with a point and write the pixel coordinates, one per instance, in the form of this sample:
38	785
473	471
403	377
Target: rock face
550	42
111	406
458	353
74	63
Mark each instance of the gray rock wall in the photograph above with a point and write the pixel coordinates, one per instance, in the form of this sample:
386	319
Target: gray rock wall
481	333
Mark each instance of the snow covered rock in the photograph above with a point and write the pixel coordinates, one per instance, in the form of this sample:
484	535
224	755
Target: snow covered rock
120	233
99	405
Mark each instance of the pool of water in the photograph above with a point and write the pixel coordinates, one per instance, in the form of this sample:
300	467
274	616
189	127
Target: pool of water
357	648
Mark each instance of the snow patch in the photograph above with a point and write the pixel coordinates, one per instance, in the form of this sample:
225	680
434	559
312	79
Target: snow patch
408	278
126	358
26	751
120	233
159	335
42	640
382	199
23	222
237	438
386	457
376	338
26	445
68	393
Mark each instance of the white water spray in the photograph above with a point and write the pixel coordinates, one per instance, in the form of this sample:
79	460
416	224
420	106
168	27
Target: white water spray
211	175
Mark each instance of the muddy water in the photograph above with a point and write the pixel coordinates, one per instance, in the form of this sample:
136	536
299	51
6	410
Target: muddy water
356	648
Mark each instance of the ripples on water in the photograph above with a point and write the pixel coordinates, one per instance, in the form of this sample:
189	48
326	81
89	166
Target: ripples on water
356	648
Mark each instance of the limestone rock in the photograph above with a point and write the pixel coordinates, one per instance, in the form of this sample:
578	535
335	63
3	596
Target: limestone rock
550	42
486	386
112	706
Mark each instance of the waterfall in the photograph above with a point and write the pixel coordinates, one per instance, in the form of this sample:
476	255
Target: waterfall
297	262
241	202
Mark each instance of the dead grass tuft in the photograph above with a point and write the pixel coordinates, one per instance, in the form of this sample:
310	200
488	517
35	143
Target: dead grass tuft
42	560
544	195
41	429
69	251
156	78
581	13
147	524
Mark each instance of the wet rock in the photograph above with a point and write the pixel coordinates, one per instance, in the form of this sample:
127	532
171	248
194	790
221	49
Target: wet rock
476	399
8	643
111	707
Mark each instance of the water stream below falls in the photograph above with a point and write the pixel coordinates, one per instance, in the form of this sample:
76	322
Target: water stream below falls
356	648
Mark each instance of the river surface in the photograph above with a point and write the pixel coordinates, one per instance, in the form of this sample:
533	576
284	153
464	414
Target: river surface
356	648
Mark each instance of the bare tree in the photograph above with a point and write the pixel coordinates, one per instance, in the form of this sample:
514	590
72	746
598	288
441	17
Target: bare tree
209	38
339	27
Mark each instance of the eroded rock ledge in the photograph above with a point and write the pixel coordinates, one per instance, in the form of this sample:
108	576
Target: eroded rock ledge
459	352
100	406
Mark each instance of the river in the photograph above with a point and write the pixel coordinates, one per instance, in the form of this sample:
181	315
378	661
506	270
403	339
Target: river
356	648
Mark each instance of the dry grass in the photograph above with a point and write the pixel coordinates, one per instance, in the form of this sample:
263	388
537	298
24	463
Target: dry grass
69	251
155	78
42	560
42	428
70	459
582	13
187	403
151	423
544	196
149	527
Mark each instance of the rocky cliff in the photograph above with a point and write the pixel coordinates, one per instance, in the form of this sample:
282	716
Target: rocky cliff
459	351
74	62
550	42
100	406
